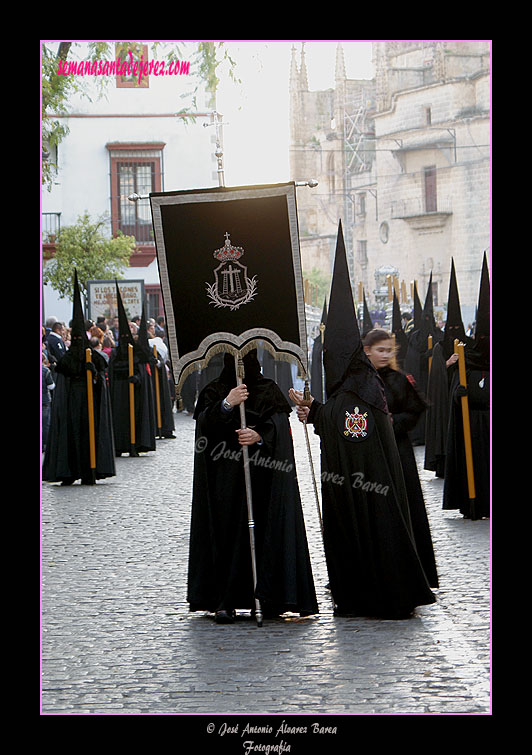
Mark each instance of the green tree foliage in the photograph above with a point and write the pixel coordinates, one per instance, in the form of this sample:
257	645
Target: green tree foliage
55	93
86	247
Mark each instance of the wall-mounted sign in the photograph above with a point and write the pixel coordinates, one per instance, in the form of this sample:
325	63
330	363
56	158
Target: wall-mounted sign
101	298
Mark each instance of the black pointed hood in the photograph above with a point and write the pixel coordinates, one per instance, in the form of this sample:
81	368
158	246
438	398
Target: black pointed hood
428	326
79	341
316	365
454	327
479	354
401	340
72	363
346	365
367	323
78	329
342	336
125	336
417	309
143	350
482	324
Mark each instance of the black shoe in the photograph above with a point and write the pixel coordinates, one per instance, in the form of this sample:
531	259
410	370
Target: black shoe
343	611
224	617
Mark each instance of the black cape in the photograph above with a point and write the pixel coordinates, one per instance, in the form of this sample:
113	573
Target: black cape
455	490
374	568
406	406
166	430
437	419
317	387
220	571
67	456
145	422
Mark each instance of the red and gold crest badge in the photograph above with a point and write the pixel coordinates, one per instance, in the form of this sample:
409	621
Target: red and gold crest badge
355	421
356	424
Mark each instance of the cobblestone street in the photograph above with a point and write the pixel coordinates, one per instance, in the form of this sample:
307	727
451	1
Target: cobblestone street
117	636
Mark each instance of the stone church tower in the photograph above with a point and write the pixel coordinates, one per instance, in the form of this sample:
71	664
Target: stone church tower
404	161
329	143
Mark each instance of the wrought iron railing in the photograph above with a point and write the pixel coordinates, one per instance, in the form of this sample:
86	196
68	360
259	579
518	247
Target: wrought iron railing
50	226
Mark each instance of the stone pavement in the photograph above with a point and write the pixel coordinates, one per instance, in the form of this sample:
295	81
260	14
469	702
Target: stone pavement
117	637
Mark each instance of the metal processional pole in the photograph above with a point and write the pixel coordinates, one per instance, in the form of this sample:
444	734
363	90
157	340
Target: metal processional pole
239	369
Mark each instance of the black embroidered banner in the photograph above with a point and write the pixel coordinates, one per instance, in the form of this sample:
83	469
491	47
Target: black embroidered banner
230	271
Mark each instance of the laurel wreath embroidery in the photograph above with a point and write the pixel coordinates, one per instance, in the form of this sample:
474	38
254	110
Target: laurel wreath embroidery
212	293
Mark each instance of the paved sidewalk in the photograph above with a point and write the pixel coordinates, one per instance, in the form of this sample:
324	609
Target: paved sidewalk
117	636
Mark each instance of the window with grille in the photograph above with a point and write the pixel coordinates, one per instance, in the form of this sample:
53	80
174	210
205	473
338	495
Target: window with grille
134	169
431	204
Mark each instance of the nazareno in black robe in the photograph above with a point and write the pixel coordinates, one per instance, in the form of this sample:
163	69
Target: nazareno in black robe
143	398
67	456
219	570
165	399
437	418
406	405
455	489
374	567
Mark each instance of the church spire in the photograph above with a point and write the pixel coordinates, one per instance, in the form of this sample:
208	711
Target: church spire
294	73
340	63
303	78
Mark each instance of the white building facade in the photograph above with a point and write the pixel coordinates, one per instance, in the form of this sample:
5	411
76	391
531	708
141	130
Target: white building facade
131	138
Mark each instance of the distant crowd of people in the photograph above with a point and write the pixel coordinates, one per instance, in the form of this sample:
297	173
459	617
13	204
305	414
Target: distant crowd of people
102	335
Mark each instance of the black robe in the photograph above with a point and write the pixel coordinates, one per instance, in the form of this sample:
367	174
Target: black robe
188	392
67	456
165	399
416	363
145	422
406	406
317	381
374	569
437	418
220	570
455	490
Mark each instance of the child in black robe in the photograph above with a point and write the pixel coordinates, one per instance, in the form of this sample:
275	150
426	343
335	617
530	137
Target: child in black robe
373	563
406	406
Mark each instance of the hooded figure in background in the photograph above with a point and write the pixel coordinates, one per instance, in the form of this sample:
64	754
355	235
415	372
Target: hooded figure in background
220	576
367	322
67	456
415	323
477	359
442	370
160	376
417	358
401	339
374	568
120	380
317	375
277	370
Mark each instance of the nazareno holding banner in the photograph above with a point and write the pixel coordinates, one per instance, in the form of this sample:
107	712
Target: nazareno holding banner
230	271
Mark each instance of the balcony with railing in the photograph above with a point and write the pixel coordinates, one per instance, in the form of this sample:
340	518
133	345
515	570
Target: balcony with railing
135	169
421	213
50	227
